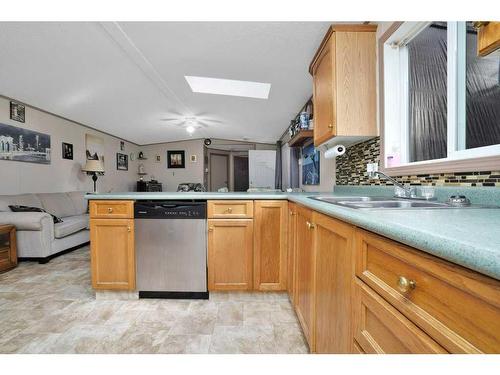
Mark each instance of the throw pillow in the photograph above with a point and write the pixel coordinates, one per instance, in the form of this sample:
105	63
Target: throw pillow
17	208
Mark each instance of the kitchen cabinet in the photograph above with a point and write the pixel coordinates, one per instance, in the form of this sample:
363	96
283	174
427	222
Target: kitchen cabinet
229	209
112	254
304	302
334	275
380	328
488	38
270	244
344	87
230	254
291	263
458	308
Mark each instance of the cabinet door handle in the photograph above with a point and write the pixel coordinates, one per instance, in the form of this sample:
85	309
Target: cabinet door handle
406	285
310	225
210	229
292	213
110	209
330	126
128	229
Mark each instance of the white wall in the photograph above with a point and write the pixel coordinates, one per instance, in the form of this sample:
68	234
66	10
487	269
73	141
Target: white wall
171	178
61	174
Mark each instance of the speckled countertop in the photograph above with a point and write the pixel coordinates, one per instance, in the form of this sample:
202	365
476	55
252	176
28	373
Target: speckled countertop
468	237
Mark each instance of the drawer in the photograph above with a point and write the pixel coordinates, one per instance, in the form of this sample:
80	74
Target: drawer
111	209
459	308
230	209
380	328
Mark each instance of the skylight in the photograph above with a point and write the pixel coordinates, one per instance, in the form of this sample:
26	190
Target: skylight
231	87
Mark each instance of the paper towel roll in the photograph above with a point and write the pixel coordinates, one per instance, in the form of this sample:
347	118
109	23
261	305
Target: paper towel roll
335	151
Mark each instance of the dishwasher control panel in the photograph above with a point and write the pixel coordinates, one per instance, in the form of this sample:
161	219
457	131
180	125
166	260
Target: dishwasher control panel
170	210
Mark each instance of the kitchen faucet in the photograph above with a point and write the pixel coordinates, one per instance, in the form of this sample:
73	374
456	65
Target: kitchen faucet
408	191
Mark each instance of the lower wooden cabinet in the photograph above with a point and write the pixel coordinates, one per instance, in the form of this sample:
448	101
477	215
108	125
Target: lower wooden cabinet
334	275
380	328
230	254
304	302
270	245
112	254
291	263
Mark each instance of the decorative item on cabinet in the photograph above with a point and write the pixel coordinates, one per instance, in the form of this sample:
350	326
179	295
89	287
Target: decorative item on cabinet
300	129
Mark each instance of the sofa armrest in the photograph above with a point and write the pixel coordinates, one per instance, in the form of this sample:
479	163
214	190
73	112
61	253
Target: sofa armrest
27	220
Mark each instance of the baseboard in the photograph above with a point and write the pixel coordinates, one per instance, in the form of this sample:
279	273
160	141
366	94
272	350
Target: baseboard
44	260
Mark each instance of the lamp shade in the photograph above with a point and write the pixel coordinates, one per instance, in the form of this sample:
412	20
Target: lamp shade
94	166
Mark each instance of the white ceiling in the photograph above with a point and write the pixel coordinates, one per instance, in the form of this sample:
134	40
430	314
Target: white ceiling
126	78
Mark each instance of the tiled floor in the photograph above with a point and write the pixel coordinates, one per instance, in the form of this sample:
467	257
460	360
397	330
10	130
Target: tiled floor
51	308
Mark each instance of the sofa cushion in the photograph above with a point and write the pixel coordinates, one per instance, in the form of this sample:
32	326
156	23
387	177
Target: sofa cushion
79	202
20	200
58	204
70	225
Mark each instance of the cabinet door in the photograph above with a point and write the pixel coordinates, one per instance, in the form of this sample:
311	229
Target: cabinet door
230	254
488	39
292	225
112	254
333	284
270	245
304	272
324	94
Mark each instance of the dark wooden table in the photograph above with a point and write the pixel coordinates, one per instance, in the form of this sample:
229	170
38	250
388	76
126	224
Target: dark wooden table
8	251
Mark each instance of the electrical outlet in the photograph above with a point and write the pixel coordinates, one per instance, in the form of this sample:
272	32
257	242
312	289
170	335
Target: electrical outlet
372	167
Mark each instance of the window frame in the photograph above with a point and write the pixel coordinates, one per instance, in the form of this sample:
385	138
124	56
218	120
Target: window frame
465	160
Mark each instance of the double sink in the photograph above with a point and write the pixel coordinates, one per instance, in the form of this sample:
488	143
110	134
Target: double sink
377	203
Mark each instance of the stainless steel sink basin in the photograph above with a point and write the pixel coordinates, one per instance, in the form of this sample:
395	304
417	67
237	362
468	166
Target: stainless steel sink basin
386	203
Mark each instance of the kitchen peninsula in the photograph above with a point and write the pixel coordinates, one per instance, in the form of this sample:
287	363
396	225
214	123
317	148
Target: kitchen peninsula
356	267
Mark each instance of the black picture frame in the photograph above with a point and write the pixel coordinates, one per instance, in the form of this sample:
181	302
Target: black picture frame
121	162
67	151
176	159
17	112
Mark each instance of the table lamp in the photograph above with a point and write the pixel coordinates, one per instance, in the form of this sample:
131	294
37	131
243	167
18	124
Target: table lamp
94	168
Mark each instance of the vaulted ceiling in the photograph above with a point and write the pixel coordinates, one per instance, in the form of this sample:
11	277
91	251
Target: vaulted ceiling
127	79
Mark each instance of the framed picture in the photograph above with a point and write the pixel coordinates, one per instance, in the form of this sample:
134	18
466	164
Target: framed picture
94	147
17	112
122	162
176	159
158	158
67	151
193	158
20	144
122	146
310	165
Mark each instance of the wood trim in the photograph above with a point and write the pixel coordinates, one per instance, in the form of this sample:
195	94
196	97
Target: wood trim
339	27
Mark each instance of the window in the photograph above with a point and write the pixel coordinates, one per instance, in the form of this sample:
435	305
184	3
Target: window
441	102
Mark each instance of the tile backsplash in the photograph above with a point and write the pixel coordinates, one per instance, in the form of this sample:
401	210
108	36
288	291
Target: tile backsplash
351	170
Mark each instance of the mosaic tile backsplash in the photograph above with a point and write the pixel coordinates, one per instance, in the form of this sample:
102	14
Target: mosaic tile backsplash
351	170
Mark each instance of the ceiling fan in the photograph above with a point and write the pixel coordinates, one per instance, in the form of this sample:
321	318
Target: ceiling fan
191	123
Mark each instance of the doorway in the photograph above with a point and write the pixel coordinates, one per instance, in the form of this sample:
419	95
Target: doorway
219	171
240	173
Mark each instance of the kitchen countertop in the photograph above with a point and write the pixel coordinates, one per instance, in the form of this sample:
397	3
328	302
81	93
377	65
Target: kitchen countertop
468	237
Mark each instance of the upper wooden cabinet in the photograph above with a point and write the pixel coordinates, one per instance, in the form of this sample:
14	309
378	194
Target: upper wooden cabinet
270	244
488	38
344	83
230	254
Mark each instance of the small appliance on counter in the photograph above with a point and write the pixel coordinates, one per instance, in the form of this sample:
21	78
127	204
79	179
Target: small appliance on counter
149	186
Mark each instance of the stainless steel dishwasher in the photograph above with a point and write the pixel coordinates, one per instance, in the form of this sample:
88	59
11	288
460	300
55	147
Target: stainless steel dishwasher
171	249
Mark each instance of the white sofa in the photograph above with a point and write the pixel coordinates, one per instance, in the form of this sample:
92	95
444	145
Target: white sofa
38	238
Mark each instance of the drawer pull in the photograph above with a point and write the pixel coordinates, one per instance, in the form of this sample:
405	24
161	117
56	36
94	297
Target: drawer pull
406	285
310	225
229	210
110	209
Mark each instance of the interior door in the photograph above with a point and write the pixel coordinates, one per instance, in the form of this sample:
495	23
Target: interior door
219	176
240	173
